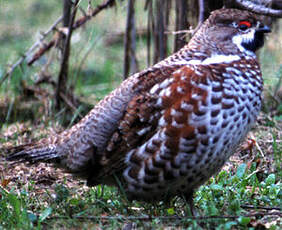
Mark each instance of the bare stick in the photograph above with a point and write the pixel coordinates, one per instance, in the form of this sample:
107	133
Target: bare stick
81	21
259	9
47	47
180	32
70	104
41	51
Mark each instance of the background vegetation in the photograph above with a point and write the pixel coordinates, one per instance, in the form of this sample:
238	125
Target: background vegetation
245	194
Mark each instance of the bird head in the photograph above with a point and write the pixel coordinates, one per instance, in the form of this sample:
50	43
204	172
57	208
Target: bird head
229	31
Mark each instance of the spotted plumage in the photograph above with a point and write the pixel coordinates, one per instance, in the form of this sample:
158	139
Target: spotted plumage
166	130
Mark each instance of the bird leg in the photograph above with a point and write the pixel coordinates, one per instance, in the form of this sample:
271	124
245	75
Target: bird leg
193	212
189	199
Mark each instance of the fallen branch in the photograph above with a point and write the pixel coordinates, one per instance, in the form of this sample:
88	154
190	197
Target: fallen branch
249	5
78	23
258	7
81	21
41	51
28	52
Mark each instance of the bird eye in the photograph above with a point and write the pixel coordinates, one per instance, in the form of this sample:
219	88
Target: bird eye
244	25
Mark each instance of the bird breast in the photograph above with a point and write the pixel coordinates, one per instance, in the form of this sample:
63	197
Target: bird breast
205	111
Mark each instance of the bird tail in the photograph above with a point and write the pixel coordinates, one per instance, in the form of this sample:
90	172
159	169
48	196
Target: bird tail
33	152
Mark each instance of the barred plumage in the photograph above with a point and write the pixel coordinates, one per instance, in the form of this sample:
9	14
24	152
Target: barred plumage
166	130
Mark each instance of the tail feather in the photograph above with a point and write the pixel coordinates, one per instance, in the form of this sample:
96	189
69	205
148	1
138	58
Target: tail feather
32	153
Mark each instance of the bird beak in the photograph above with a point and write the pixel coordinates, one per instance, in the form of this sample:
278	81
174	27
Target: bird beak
263	29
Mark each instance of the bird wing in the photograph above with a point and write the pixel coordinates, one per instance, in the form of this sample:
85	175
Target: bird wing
79	146
155	129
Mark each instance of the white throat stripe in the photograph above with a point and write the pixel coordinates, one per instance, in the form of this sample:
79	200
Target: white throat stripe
214	59
239	39
217	59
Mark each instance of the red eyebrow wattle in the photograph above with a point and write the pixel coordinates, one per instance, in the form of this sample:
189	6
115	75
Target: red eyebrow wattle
246	23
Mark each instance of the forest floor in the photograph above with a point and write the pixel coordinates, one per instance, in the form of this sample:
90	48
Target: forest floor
245	194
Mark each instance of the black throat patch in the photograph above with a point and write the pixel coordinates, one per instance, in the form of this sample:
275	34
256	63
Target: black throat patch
256	43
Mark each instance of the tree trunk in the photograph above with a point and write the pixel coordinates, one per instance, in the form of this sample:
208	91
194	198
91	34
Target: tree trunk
130	60
181	23
68	20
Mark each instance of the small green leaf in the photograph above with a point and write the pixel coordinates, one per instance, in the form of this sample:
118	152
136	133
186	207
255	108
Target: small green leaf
244	220
270	179
32	217
170	211
45	214
15	203
212	208
74	201
241	170
216	187
229	224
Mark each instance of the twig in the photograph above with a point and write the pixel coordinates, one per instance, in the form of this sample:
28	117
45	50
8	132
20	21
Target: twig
257	145
253	173
11	70
27	53
256	8
44	48
81	21
273	95
277	87
179	32
47	47
3	189
260	150
70	104
197	28
82	11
